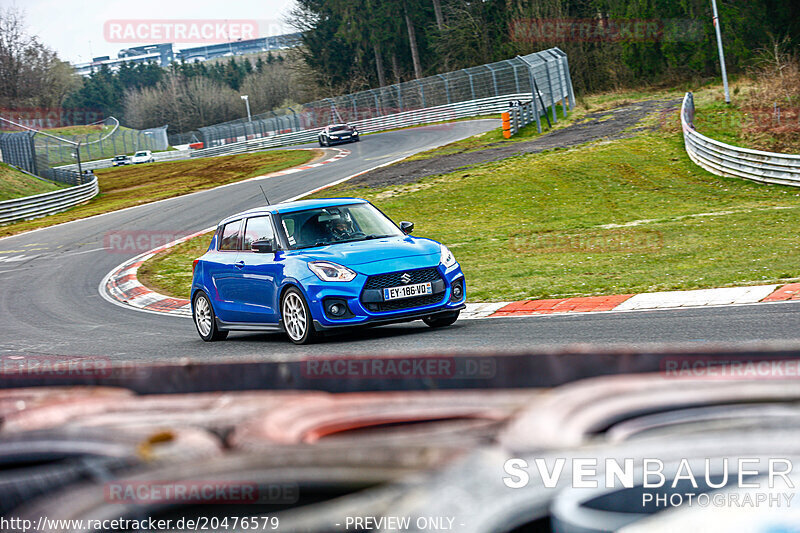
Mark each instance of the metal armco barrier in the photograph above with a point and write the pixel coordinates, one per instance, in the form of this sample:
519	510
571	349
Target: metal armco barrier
735	162
47	203
172	155
485	106
545	74
518	117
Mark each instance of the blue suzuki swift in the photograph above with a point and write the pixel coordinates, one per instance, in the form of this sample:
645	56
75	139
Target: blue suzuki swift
314	265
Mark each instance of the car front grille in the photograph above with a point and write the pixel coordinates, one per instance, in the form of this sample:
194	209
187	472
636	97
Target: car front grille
405	303
394	279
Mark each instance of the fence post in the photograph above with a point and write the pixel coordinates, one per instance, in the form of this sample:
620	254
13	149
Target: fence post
471	83
550	84
516	77
446	86
494	79
561	88
571	90
421	93
534	94
377	104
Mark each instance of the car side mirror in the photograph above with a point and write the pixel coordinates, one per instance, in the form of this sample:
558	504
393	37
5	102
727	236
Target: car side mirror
406	227
264	246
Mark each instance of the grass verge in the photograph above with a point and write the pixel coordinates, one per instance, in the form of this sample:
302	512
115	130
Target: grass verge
140	184
170	272
16	184
626	216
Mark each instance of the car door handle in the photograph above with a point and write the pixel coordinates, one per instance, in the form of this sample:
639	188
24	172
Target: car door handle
239	264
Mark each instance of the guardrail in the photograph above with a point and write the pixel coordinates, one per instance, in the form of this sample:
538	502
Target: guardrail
519	116
47	203
735	162
171	155
471	108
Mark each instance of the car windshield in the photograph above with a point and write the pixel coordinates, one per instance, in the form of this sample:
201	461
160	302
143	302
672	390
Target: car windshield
140	154
340	128
336	224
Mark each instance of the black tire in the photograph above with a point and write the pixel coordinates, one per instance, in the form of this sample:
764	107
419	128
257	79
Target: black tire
206	322
296	317
441	321
320	142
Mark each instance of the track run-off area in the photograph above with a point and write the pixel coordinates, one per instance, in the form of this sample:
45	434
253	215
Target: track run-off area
50	303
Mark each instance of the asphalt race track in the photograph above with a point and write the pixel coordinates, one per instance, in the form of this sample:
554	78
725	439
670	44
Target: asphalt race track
50	304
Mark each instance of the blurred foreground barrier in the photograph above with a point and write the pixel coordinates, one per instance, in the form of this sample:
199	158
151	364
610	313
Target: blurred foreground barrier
217	412
575	413
735	162
257	483
473	489
39	462
441	417
478	370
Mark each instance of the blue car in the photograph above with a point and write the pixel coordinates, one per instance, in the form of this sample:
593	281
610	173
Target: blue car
310	266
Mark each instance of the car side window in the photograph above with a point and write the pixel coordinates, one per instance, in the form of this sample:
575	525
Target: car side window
230	236
257	229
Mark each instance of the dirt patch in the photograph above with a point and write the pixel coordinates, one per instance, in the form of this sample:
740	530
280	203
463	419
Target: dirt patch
611	124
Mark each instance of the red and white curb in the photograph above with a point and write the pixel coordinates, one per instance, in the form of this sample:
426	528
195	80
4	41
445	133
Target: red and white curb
121	286
342	154
637	302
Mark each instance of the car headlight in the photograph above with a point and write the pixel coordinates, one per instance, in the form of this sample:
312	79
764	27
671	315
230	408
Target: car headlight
327	271
448	259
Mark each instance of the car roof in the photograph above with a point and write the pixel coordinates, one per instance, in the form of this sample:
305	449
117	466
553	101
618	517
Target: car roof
297	205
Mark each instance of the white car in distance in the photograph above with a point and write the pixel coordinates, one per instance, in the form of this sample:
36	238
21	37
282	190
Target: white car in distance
144	156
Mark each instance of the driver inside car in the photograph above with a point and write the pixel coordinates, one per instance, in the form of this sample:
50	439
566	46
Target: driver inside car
340	228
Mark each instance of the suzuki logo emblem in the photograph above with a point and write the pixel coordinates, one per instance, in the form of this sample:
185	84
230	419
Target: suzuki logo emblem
405	278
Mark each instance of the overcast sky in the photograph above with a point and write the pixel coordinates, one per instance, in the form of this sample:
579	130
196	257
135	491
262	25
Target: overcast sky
76	29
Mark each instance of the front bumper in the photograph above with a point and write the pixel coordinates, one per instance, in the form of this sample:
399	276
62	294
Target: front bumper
359	301
354	138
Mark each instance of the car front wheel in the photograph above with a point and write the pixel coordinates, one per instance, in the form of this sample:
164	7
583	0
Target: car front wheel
296	317
441	321
205	320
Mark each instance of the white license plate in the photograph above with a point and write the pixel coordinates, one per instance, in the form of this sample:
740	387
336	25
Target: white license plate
407	291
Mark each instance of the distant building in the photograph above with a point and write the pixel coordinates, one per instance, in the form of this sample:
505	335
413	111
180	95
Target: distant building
163	54
235	48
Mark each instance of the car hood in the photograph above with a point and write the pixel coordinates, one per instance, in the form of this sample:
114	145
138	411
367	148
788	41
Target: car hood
370	257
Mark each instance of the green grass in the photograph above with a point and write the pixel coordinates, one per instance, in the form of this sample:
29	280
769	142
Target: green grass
532	226
170	272
626	216
139	184
494	138
16	184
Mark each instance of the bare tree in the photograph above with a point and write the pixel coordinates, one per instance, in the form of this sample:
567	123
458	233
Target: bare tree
30	73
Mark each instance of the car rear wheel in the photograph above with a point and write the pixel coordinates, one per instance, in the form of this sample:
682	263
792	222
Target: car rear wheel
205	320
441	321
296	317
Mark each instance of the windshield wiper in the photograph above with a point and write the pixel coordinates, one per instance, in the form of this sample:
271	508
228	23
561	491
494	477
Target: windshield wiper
320	243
